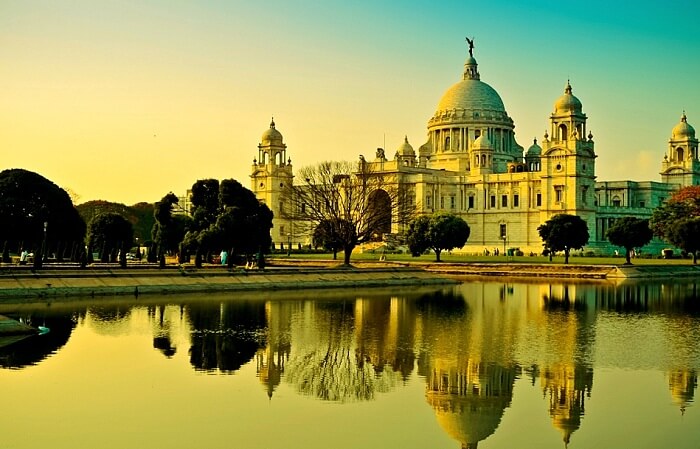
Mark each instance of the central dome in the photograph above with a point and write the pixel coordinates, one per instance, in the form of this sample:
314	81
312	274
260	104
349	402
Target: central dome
471	94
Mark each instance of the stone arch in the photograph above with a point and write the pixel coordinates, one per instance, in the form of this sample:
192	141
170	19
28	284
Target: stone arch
278	158
679	154
563	132
379	213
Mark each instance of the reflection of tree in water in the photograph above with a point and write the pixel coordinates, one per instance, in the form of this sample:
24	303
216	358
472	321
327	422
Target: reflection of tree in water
466	362
34	349
563	297
385	334
678	297
225	336
110	319
161	331
325	363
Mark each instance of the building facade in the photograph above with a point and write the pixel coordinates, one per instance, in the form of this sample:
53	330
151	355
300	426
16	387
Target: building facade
471	165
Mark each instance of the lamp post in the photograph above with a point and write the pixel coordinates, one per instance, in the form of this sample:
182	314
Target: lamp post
289	244
44	249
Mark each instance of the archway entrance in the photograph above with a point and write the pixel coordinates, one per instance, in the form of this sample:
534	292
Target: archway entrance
379	214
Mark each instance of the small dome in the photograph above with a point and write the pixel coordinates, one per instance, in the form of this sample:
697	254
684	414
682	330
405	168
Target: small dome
482	143
567	103
405	149
534	149
271	136
683	130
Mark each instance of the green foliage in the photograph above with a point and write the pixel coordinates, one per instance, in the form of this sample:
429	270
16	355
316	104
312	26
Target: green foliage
140	215
168	230
328	235
630	233
231	219
27	201
685	234
110	233
440	232
685	203
564	232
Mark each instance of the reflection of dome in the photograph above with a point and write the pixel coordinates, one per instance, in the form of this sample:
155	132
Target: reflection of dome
682	384
468	419
683	130
567	103
534	150
271	136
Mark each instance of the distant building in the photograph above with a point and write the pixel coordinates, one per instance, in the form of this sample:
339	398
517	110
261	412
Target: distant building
472	166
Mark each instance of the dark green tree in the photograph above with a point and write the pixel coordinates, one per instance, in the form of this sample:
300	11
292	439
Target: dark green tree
325	236
564	232
168	229
630	233
110	233
143	212
685	234
39	216
440	231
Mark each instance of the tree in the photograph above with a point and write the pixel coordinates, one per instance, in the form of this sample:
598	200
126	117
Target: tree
685	234
440	232
230	218
168	230
140	215
325	237
36	214
110	233
564	232
357	202
683	204
630	233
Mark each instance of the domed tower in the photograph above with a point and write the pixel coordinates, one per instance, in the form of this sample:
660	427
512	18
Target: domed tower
405	154
482	156
680	165
532	157
271	175
467	110
568	162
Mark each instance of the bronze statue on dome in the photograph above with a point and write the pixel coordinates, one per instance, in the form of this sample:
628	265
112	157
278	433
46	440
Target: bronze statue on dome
471	46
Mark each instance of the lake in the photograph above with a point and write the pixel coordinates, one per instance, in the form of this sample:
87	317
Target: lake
497	364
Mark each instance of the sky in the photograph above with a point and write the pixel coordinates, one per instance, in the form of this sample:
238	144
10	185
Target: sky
126	101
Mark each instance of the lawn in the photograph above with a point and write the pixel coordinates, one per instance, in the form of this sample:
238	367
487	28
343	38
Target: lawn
459	258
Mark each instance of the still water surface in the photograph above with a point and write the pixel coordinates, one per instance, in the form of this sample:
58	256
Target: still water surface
487	364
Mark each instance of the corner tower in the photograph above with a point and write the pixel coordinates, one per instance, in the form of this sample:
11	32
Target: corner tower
271	174
681	165
568	161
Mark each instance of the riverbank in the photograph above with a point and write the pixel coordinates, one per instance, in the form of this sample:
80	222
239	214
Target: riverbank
70	282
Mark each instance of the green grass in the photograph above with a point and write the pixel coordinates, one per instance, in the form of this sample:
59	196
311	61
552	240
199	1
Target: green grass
458	258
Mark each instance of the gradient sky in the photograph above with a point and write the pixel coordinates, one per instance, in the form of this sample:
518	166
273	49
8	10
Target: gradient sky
128	100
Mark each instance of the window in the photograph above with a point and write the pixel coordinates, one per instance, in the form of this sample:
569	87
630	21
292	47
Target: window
584	195
493	200
539	199
516	200
427	200
452	202
558	194
503	231
616	202
442	202
642	204
471	202
303	208
282	230
504	200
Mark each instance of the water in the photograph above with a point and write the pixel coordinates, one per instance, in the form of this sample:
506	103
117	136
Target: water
487	364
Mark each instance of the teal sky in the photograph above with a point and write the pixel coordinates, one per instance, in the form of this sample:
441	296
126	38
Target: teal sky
125	100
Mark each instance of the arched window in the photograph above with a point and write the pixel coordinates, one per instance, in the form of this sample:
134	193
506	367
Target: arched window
447	143
476	160
483	160
278	159
563	132
679	154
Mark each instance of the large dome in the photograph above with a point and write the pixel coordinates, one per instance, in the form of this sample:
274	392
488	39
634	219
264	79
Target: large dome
471	94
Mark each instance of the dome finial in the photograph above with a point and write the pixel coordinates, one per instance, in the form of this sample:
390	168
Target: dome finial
568	86
272	122
470	42
683	117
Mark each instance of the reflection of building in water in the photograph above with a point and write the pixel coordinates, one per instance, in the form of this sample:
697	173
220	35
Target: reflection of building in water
682	383
270	360
467	360
567	385
385	332
469	400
